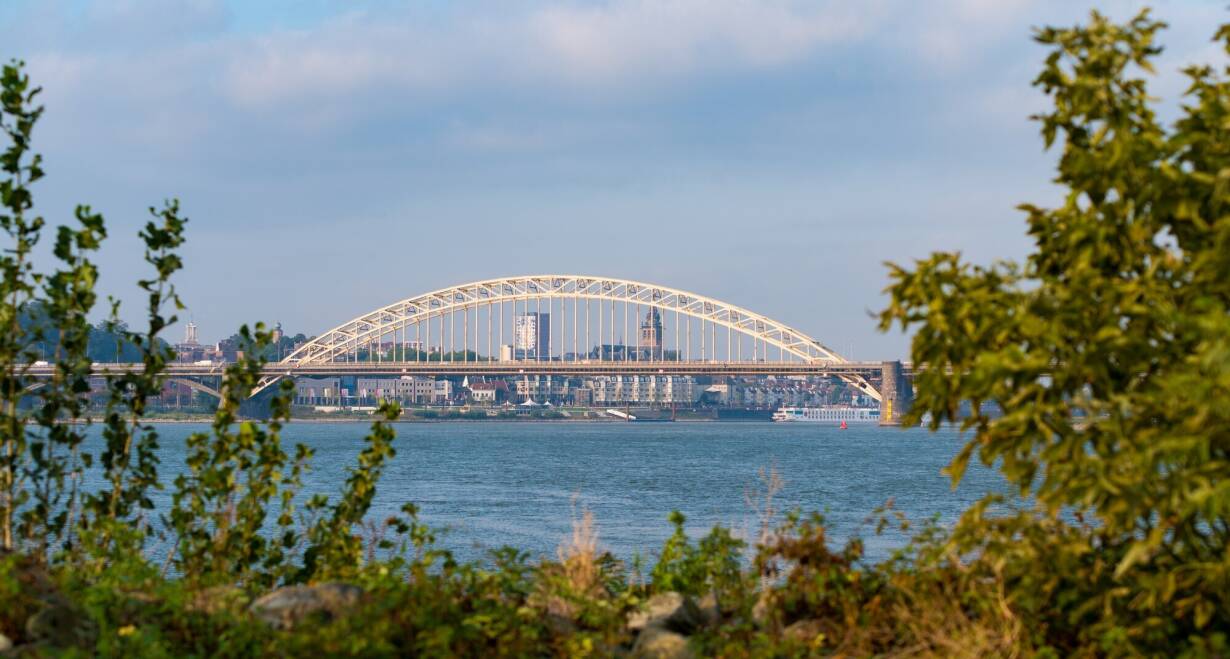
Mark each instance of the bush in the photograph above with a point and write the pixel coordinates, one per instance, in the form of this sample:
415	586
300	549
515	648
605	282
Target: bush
1107	351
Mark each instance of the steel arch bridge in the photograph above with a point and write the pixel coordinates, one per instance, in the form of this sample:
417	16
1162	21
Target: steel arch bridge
604	320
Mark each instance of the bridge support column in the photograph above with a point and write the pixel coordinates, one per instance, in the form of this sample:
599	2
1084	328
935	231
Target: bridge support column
896	394
257	405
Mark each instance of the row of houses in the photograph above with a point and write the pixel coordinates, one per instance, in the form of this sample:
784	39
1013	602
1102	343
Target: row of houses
614	390
610	391
407	389
597	391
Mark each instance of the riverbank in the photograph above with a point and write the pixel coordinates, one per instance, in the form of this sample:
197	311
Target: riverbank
481	415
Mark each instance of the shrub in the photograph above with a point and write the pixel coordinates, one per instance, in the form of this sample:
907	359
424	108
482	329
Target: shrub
1107	351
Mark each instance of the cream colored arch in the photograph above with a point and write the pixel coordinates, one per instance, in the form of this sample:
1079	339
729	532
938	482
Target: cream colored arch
346	339
198	386
191	384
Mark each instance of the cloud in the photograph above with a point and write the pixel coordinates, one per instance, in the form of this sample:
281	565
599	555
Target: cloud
128	23
622	44
640	39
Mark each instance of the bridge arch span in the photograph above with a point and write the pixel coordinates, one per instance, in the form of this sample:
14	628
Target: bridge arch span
198	386
726	331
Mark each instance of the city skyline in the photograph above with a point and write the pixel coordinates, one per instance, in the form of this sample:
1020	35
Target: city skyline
770	154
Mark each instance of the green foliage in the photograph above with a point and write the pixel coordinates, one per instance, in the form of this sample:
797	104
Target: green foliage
713	564
271	352
129	460
336	551
18	284
54	445
220	504
1109	352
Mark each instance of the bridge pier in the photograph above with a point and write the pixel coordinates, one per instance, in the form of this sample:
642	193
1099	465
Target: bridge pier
257	405
897	393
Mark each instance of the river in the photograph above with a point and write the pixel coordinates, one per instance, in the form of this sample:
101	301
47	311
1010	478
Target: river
486	484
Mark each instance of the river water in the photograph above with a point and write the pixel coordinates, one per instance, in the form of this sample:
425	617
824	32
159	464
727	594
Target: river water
487	484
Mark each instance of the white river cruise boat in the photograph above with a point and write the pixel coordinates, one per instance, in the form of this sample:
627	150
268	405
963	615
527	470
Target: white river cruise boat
828	414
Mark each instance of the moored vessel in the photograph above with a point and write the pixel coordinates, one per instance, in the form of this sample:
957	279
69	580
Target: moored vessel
828	413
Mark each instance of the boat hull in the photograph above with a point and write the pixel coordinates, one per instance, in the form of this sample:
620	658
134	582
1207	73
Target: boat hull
832	414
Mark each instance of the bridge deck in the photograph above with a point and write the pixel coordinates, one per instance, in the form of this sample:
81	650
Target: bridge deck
495	368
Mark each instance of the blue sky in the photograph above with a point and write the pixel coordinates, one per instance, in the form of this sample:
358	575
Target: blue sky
335	156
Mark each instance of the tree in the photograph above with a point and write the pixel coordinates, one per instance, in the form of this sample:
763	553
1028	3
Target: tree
1109	351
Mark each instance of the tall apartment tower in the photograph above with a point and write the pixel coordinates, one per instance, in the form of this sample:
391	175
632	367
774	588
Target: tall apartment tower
532	336
276	336
651	336
190	334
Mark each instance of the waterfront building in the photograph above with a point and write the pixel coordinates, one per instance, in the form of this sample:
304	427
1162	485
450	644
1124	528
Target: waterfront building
415	389
489	393
319	391
442	391
374	389
190	350
718	393
541	388
610	352
644	390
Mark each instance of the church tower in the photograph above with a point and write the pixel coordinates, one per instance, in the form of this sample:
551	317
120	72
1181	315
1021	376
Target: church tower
651	336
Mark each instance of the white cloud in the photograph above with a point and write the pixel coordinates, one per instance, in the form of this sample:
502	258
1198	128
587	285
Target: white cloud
654	38
627	43
154	21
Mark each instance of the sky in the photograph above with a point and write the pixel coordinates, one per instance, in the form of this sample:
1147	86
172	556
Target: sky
334	156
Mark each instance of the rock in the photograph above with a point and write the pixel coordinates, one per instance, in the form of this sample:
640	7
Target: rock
671	610
61	624
134	605
561	625
710	609
810	632
32	577
761	610
657	642
217	599
52	621
142	598
286	607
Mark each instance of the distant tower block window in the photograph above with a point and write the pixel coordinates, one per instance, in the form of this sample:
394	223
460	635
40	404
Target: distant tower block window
532	335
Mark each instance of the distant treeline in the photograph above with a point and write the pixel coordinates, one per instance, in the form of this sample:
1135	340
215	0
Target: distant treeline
107	340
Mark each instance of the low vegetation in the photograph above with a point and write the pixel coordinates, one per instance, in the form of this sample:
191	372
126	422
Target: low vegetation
1108	352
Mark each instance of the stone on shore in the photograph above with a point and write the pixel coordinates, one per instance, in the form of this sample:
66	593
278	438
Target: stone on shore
657	642
710	609
61	624
286	607
216	599
810	632
672	611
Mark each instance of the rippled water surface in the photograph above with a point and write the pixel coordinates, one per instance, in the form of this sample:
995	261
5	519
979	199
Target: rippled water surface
495	483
